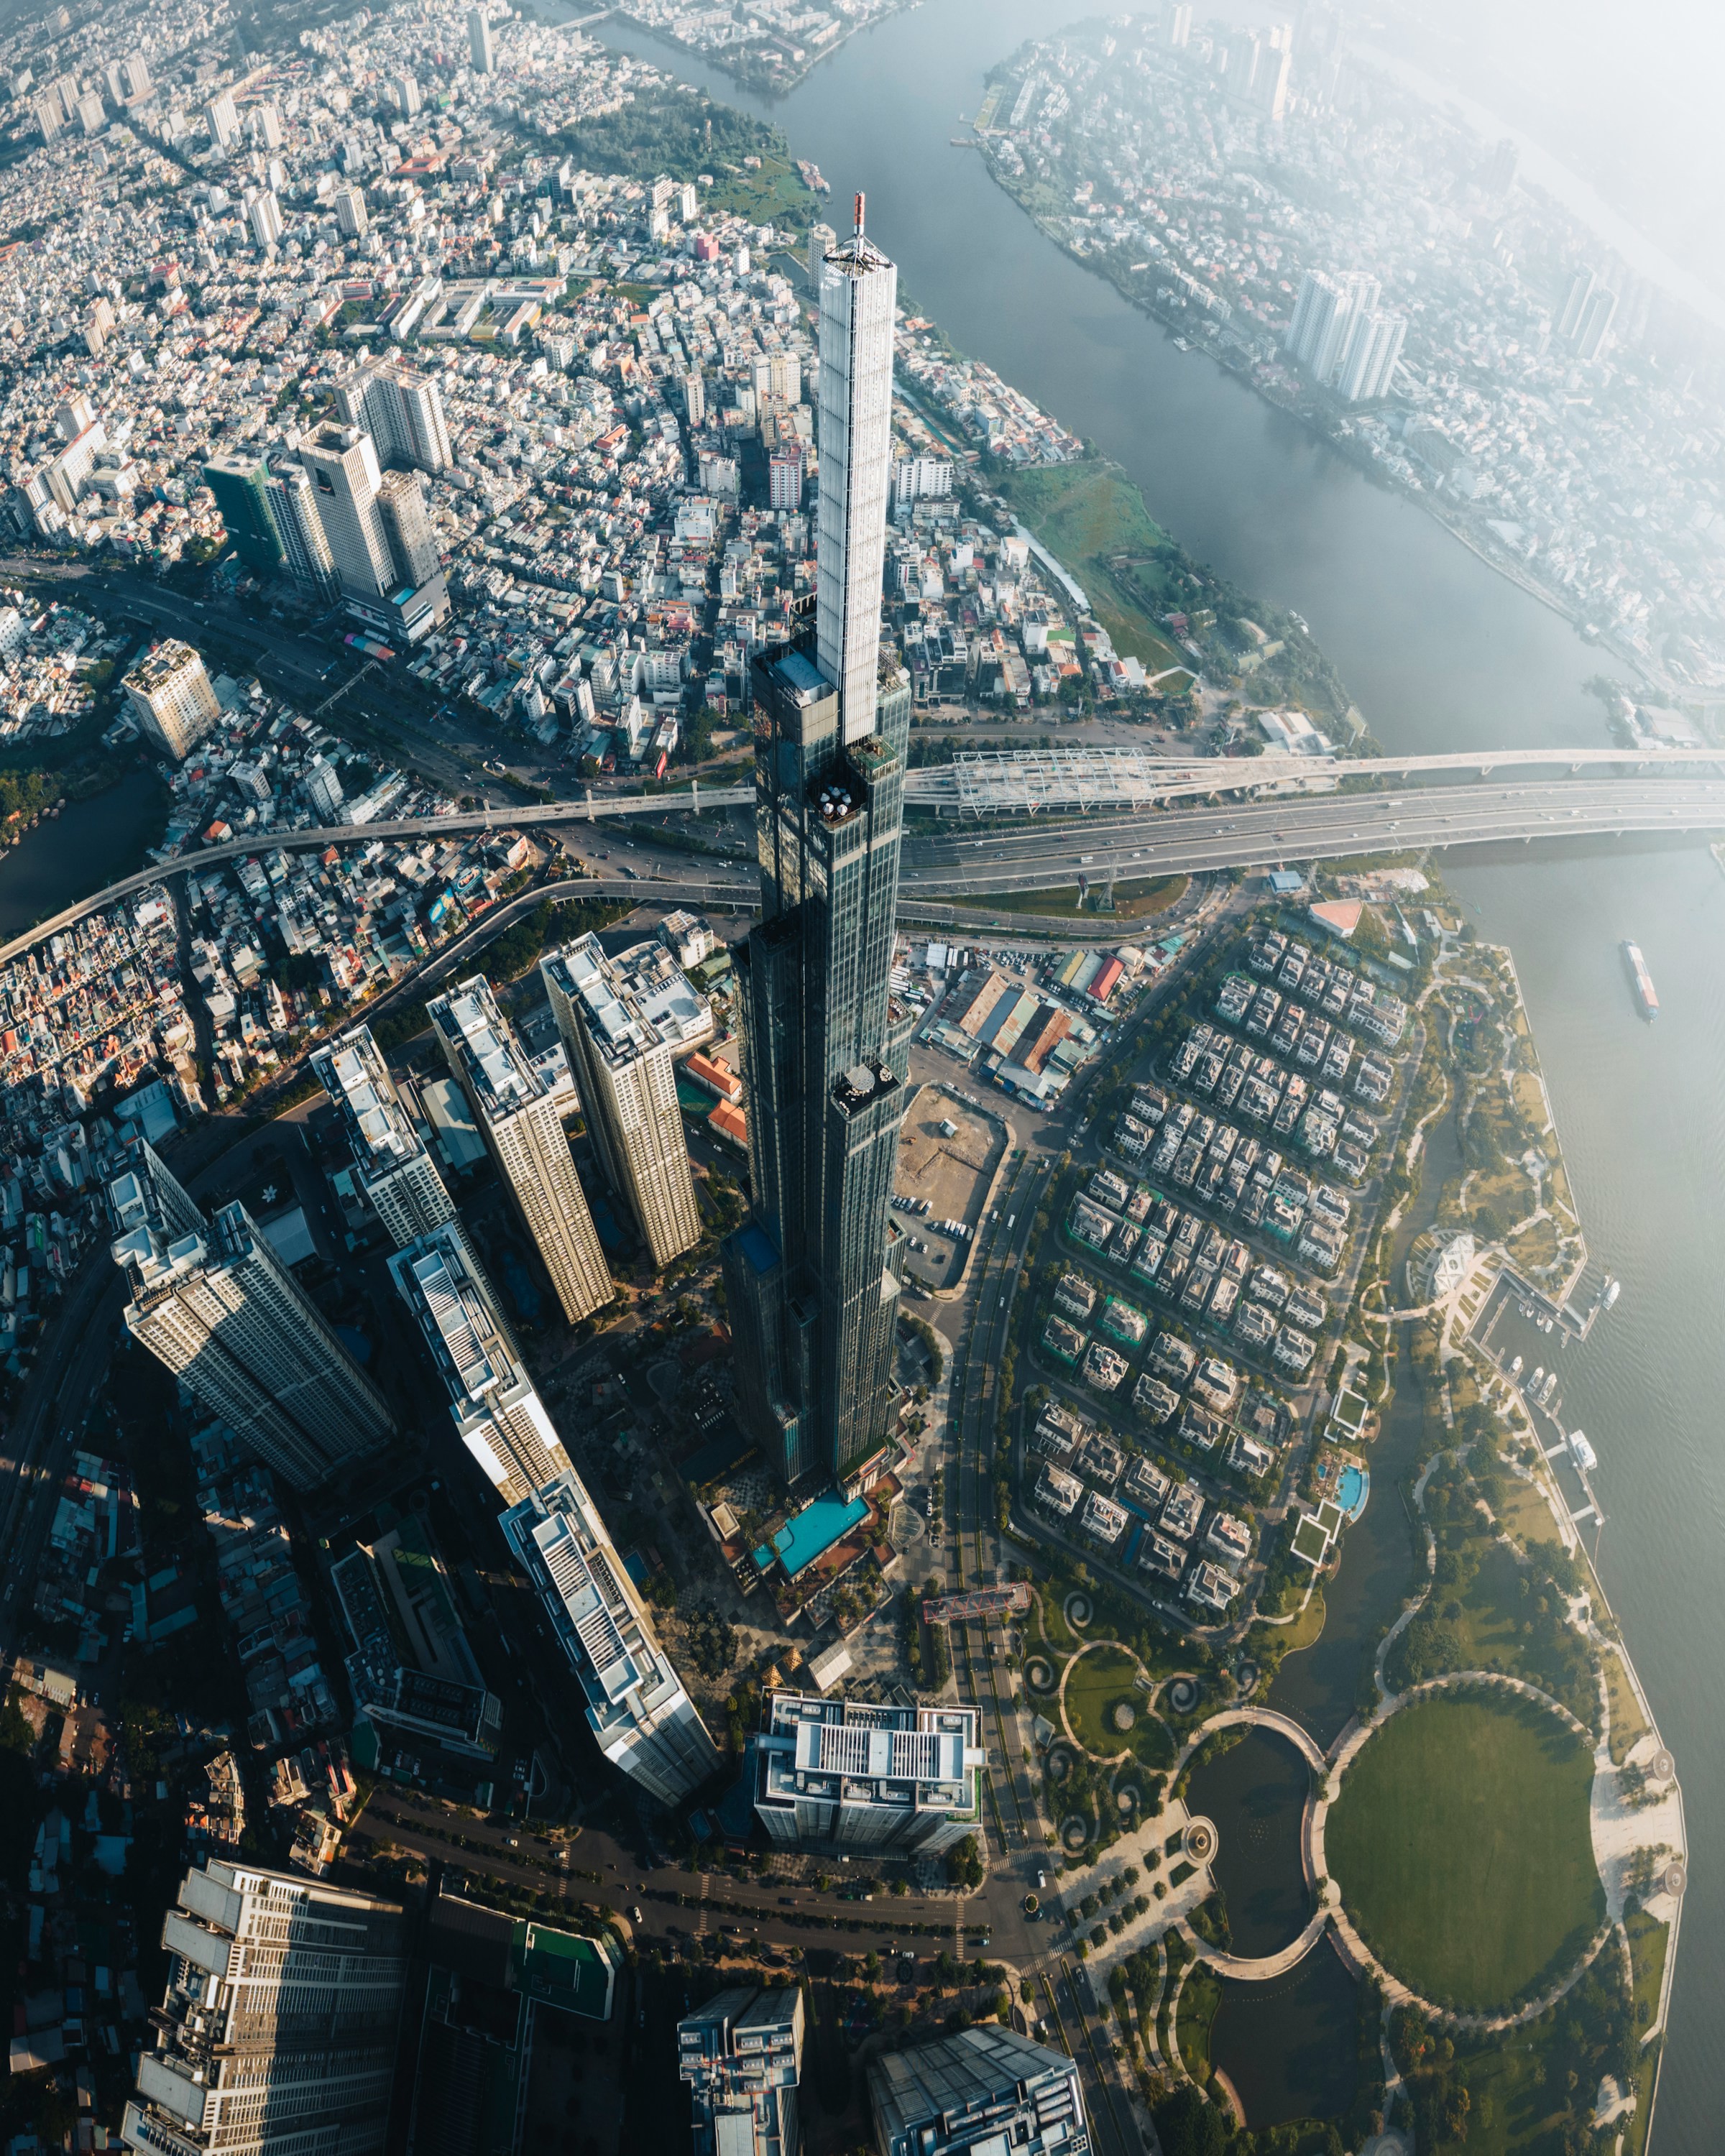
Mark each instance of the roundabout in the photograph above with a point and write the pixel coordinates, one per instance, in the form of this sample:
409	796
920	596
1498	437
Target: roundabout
1458	1835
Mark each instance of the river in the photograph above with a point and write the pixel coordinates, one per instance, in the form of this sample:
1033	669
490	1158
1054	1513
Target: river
88	844
1439	654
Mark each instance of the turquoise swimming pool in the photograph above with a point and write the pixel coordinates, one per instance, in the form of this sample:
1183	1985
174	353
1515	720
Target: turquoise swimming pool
1352	1488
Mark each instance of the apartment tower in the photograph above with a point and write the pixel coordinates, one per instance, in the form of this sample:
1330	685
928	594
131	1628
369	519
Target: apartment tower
523	1133
813	1280
276	2034
623	1069
346	478
217	1307
398	1176
170	697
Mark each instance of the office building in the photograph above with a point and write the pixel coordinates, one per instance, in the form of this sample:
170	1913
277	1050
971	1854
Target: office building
262	213
822	240
523	1133
402	410
170	697
343	465
276	2034
742	2056
920	478
813	1280
305	550
412	1670
622	1065
394	1172
498	1415
641	1717
986	2089
241	487
412	544
481	45
351	212
216	1305
1594	325
222	120
837	1774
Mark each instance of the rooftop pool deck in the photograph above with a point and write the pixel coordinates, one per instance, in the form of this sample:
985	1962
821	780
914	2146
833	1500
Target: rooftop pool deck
810	1533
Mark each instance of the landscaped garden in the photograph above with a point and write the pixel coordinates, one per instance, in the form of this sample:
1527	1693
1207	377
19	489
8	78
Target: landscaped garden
1460	1844
1109	1712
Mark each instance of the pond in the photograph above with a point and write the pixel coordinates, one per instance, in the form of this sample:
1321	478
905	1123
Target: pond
1255	1794
1291	2048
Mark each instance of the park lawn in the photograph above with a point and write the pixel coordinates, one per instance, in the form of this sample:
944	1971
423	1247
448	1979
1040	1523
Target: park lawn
1086	514
1460	1843
1648	1940
1290	1639
1524	1513
1628	1725
1098	1681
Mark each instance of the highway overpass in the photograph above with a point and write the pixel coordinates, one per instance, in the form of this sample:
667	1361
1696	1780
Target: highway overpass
1053	854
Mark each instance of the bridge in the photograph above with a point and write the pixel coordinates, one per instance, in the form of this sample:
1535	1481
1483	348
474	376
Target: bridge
1578	793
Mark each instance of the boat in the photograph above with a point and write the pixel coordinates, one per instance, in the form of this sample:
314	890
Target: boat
1515	1367
1181	344
1614	1288
1641	979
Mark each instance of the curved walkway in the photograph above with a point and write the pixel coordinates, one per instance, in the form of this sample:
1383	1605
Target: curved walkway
1261	1969
1258	1717
1127	1751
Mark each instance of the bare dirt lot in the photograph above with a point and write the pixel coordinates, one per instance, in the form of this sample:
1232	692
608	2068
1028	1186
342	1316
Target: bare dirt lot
948	1153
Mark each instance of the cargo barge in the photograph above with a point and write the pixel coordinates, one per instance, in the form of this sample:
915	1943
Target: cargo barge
1641	979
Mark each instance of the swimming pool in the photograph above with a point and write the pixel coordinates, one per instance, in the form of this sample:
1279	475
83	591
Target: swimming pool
1352	1489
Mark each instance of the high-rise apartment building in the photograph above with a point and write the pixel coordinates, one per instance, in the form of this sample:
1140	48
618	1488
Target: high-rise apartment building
1594	325
523	1133
401	409
305	550
170	696
499	1416
223	120
742	2055
404	90
276	2035
323	790
785	478
1575	300
240	484
641	1717
413	543
146	1192
1326	311
481	45
622	1063
351	214
813	1280
263	212
984	2088
343	465
920	478
396	1174
217	1307
841	1775
1374	347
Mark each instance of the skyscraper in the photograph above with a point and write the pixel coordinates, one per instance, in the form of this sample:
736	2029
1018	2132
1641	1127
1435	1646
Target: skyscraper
524	1134
223	120
351	212
276	2034
480	45
1374	347
413	543
499	1416
343	465
642	1720
850	1775
742	2055
983	2086
145	1191
263	214
393	1168
293	499
1326	311
623	1069
216	1305
402	410
813	1280
240	484
170	696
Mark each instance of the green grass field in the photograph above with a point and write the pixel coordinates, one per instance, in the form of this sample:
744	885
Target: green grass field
1099	1680
1461	1845
1085	514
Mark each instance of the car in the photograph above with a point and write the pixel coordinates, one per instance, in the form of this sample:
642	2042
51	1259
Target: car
634	1913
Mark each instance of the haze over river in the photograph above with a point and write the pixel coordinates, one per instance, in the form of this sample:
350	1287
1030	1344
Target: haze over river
1439	654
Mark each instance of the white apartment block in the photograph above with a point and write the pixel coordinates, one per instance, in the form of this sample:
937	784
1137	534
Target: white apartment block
839	1774
346	478
216	1308
499	1416
401	409
623	1068
276	2034
642	1720
523	1133
170	697
398	1176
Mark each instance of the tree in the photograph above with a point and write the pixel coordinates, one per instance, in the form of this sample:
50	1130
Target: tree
1187	2126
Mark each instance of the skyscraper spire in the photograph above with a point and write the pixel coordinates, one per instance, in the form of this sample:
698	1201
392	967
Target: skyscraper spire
812	1281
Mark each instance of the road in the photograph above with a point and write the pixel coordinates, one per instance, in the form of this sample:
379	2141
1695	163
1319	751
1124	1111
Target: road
1050	854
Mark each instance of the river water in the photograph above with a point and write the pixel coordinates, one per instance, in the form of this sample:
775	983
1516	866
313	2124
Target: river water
1439	654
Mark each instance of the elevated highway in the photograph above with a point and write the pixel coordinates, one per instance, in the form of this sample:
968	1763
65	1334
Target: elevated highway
1052	853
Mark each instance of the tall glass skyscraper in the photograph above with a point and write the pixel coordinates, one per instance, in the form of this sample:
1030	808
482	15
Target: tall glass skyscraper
812	1281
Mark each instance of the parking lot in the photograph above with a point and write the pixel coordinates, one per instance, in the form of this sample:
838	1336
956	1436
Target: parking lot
947	1159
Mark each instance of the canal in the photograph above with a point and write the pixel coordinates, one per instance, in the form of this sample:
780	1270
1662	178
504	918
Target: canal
88	844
